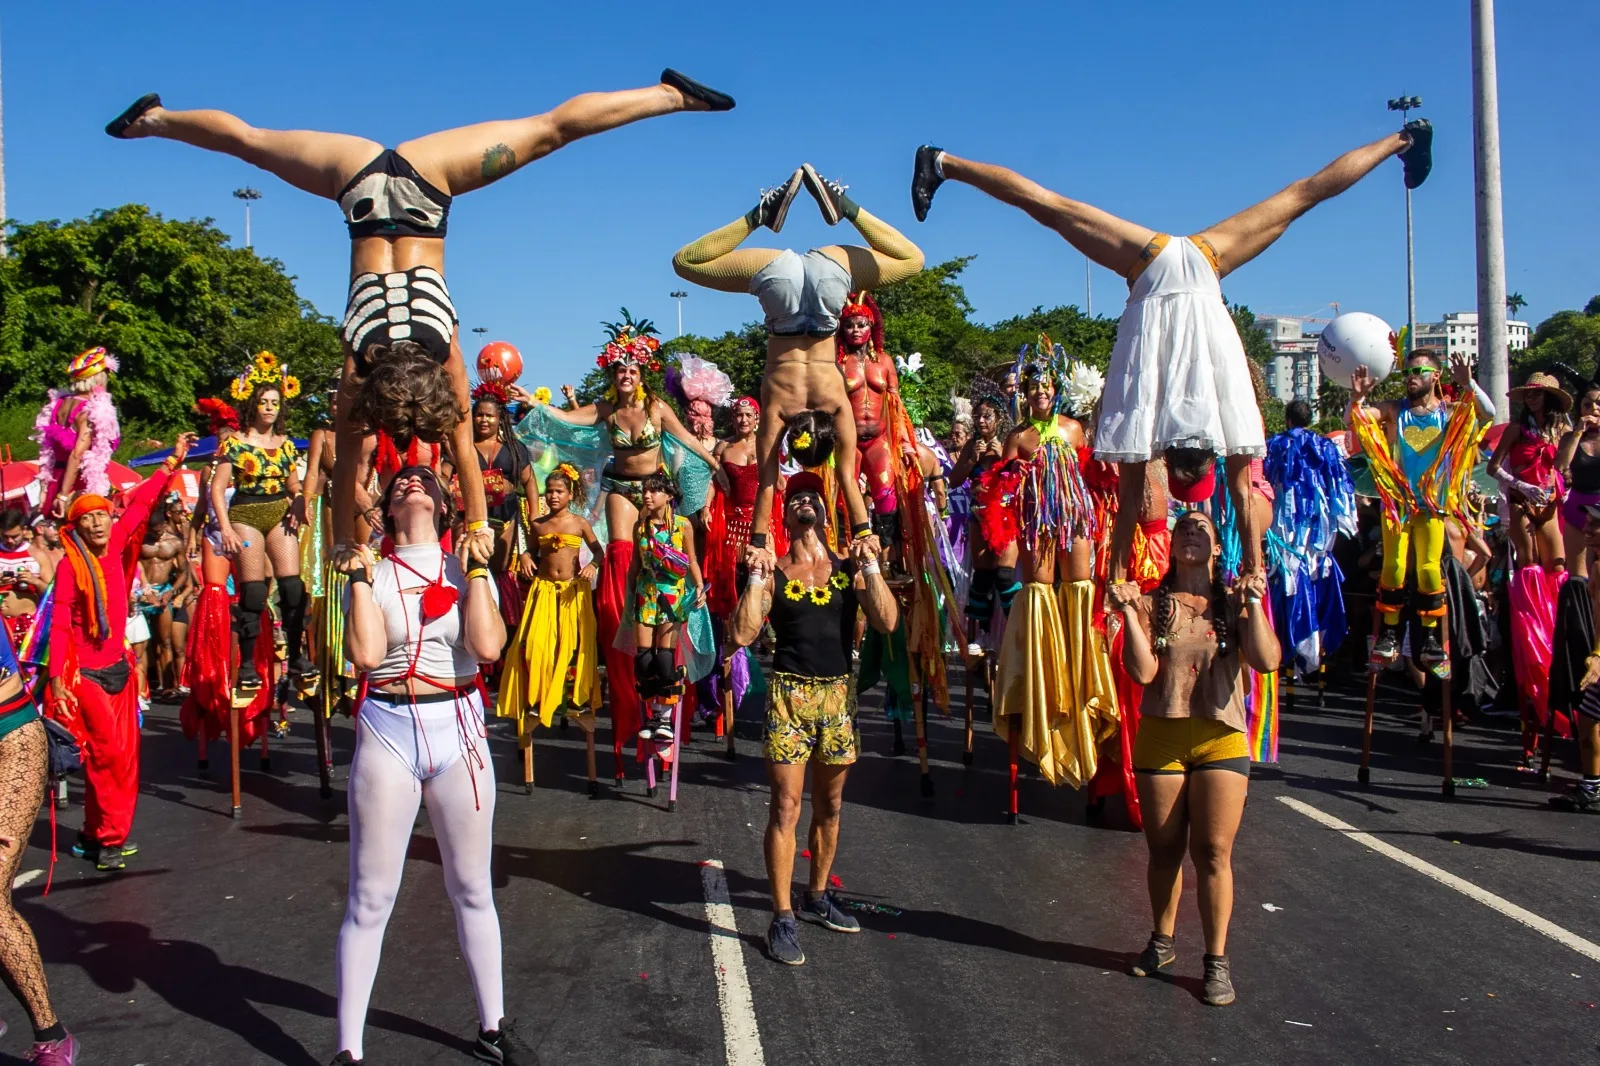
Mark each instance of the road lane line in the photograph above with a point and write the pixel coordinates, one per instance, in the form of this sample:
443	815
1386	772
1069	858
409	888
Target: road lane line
741	1038
1587	948
27	878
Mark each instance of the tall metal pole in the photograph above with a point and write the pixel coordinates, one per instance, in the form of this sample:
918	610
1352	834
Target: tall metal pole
1404	104
248	195
3	215
1088	292
1494	369
679	295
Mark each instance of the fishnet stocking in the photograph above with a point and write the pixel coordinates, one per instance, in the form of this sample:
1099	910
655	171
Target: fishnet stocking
23	766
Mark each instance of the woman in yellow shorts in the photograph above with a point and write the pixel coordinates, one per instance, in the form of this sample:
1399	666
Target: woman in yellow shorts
1188	643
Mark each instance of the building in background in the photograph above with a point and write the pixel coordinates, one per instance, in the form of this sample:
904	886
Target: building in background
1293	373
1458	333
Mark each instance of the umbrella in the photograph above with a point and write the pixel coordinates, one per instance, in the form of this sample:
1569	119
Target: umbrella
15	476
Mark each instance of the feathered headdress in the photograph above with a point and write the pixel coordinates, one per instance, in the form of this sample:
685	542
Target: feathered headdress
265	370
861	304
699	379
491	390
1082	390
961	409
217	413
1043	359
629	343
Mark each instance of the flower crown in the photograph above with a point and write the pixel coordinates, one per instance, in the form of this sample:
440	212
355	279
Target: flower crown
491	390
568	471
629	343
266	370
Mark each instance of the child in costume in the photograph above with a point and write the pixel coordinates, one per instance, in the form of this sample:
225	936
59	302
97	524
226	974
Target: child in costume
665	568
552	664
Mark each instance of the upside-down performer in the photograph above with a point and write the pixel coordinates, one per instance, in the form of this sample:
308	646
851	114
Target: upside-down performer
92	690
396	202
1315	502
1053	681
552	664
77	432
1421	451
1178	381
801	297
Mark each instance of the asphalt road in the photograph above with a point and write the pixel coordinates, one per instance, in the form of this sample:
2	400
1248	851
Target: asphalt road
982	942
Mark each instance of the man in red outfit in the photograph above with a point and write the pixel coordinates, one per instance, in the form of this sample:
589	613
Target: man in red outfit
91	676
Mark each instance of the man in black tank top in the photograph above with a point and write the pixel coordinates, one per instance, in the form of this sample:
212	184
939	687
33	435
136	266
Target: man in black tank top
811	598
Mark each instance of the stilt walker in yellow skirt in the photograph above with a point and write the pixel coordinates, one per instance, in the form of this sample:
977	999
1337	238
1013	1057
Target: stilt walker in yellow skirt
1055	696
552	664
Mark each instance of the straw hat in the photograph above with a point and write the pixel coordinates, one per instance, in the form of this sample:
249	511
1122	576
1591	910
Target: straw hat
1539	380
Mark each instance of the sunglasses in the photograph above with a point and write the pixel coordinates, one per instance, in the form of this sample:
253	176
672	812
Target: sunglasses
1420	371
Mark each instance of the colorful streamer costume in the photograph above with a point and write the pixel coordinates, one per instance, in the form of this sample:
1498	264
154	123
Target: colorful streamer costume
1421	477
1315	502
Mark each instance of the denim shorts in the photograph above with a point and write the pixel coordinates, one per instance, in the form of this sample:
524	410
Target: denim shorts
801	295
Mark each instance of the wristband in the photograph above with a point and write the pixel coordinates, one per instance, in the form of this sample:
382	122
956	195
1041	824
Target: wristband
868	569
755	580
477	572
359	577
860	529
758	540
479	526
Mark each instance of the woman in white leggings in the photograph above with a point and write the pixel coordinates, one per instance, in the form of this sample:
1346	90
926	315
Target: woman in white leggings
419	623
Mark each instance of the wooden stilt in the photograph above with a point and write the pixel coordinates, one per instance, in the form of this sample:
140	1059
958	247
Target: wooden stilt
966	754
1013	745
527	757
921	710
727	710
1322	686
1364	774
1448	788
324	749
233	754
588	745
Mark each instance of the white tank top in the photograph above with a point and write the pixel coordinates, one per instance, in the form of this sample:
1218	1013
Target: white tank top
398	593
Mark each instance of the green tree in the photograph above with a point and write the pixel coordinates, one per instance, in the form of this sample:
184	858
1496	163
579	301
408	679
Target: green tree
181	310
1515	303
1566	340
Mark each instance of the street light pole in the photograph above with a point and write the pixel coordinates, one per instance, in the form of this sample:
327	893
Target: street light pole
1088	292
247	194
1404	104
1492	341
680	296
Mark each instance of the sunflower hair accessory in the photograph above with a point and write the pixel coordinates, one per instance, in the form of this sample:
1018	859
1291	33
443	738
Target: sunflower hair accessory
802	442
568	471
541	395
265	370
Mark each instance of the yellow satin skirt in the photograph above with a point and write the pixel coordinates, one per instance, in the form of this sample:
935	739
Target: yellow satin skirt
553	663
1054	678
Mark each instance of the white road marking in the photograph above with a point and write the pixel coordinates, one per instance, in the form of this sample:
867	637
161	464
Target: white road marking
741	1038
27	878
1586	948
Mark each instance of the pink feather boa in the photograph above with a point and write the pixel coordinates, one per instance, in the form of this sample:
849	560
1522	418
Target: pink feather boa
104	436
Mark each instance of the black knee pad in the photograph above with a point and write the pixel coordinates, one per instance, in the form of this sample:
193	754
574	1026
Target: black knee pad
644	672
668	670
291	593
980	595
1005	579
252	603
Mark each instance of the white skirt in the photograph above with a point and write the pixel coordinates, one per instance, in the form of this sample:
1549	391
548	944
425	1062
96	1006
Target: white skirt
1178	376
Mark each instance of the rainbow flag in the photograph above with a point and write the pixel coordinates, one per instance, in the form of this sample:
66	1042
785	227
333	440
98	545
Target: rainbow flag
1261	710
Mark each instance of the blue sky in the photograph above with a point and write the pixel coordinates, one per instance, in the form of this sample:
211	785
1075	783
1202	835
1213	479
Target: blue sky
1172	114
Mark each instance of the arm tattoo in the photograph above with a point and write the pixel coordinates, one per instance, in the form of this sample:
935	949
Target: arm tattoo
498	161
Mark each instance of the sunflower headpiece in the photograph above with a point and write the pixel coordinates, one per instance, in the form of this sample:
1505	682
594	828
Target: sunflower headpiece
265	370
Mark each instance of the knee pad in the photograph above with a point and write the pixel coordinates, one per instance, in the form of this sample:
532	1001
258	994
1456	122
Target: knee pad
644	672
1430	606
291	593
1005	579
1390	600
252	604
670	673
980	595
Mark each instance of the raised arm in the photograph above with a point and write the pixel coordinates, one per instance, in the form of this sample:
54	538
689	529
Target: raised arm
1257	641
366	640
483	627
1137	656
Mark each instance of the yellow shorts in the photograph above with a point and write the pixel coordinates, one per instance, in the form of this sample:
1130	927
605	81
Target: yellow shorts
1178	745
812	719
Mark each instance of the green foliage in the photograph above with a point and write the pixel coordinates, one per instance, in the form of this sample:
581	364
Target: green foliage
1568	338
181	310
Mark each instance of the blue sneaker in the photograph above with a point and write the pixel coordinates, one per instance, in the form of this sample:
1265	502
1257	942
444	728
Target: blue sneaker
783	942
824	911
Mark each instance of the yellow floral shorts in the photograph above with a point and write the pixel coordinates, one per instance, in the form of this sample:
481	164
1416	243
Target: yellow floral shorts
812	718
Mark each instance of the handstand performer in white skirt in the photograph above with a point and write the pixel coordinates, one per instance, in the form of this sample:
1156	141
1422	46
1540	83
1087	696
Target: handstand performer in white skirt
1178	383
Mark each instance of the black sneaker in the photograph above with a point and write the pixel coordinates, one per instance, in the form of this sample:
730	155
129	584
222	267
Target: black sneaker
1432	655
826	912
773	207
1158	954
661	727
249	680
304	669
1577	799
504	1046
829	195
1218	989
1387	647
129	849
783	942
1418	159
925	179
686	85
118	127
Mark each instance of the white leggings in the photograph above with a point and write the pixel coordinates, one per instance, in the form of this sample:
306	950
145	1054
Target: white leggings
384	793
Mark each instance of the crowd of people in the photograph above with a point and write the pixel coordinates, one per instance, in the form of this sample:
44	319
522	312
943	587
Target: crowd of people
1125	562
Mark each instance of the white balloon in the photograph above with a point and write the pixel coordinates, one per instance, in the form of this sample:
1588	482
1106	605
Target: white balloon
1352	340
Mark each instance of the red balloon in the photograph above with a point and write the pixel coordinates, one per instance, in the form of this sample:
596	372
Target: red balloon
499	361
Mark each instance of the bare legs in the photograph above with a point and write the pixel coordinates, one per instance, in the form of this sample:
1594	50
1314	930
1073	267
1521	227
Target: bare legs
1198	813
827	799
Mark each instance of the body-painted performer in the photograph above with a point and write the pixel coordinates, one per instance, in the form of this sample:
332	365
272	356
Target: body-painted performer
810	597
991	544
801	298
256	527
77	431
420	623
396	203
1315	503
26	571
24	772
92	690
164	570
553	662
626	435
1188	644
1578	464
1053	682
873	385
1178	381
666	586
1421	450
